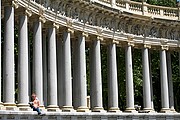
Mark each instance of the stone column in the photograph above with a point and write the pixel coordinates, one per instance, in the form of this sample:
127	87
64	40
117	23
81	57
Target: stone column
129	80
146	79
8	59
37	61
23	70
52	70
95	76
81	74
164	81
112	78
151	83
60	71
44	50
170	82
67	106
75	73
0	63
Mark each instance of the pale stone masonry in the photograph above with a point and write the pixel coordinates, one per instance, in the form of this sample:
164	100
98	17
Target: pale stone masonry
62	30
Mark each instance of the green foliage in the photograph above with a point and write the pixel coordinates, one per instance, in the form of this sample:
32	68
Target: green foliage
168	3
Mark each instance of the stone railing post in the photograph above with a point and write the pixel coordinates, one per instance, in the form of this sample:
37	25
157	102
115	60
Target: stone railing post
178	5
113	3
127	4
144	7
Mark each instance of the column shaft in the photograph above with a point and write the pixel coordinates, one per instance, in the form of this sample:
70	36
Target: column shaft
52	70
75	74
164	82
146	80
23	77
129	80
0	61
60	72
95	78
8	64
81	74
67	106
151	83
45	74
37	61
170	82
112	79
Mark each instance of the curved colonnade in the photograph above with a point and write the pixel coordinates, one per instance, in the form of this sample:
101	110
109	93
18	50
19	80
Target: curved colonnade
113	23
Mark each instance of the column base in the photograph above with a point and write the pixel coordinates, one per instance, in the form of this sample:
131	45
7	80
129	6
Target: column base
173	110
114	109
24	107
42	108
98	109
148	110
53	108
165	110
67	109
131	110
83	109
1	106
10	106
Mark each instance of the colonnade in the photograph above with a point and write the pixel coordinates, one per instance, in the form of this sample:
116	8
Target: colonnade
52	79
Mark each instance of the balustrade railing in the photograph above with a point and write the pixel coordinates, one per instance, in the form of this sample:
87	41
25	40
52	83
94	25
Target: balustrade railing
121	3
154	10
146	9
138	7
135	6
106	1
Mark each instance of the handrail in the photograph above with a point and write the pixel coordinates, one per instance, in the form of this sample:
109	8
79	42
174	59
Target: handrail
143	8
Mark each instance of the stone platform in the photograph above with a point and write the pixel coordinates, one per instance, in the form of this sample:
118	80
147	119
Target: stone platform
13	115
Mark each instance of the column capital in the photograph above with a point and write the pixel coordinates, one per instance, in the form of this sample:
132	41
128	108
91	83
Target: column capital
130	44
81	33
13	3
130	41
42	19
69	30
55	25
113	41
51	25
147	46
39	18
164	47
22	11
84	34
28	13
100	38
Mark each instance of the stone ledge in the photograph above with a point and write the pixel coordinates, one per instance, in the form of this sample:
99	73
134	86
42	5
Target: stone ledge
3	112
5	115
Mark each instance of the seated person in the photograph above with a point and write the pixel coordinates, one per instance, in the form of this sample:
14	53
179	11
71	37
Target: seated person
34	104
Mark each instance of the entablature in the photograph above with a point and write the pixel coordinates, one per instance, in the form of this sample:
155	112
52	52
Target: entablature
95	18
